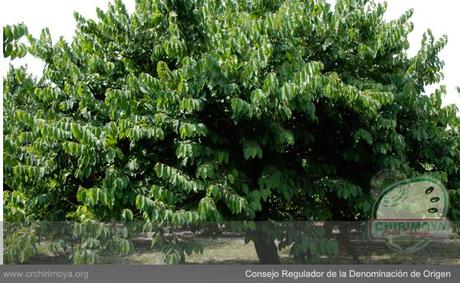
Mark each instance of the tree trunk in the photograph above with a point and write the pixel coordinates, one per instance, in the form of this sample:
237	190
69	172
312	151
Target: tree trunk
266	249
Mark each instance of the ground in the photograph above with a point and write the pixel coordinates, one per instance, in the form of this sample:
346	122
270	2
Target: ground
233	250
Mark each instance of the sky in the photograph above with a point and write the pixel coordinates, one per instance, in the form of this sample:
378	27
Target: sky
441	16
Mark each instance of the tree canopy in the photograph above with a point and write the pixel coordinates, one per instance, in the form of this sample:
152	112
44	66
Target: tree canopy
191	111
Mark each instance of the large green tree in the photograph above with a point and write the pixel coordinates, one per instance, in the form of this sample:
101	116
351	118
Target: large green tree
191	111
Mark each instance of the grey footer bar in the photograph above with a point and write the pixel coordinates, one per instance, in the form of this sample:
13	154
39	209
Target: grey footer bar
229	273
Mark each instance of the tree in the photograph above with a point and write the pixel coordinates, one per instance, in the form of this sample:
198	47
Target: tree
192	111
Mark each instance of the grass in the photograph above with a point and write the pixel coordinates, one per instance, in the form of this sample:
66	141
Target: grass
221	251
235	251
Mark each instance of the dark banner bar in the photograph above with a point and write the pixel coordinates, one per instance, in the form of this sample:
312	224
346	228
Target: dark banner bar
231	273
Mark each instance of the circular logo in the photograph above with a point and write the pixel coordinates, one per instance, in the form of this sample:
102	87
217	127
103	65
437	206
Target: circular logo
410	213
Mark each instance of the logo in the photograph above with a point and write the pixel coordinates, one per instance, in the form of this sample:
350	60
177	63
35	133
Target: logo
409	214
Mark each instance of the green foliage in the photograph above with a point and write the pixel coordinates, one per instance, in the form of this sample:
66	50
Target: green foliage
203	110
12	47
